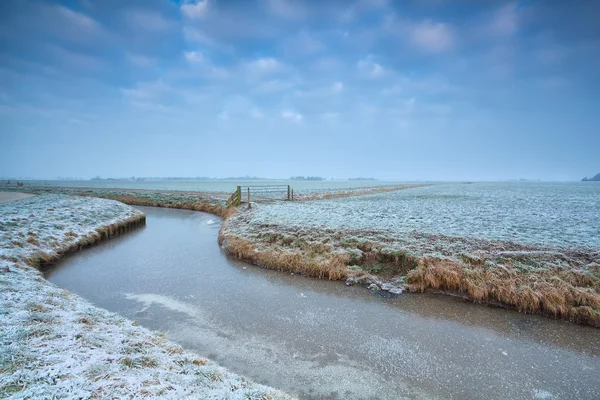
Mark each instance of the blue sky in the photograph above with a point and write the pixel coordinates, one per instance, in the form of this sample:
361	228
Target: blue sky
428	89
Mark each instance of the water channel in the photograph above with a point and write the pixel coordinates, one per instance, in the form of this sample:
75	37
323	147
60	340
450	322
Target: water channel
320	339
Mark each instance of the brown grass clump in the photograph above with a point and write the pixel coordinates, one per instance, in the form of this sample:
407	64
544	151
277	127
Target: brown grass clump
291	261
552	292
200	361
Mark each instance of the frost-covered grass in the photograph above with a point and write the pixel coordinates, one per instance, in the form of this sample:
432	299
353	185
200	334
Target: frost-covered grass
559	214
206	202
54	344
530	247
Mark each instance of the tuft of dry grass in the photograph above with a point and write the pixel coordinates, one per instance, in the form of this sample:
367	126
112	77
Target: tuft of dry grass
559	293
561	284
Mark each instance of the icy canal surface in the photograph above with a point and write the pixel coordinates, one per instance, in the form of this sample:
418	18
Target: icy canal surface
321	339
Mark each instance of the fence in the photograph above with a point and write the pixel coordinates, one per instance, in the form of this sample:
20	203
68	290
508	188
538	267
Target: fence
260	193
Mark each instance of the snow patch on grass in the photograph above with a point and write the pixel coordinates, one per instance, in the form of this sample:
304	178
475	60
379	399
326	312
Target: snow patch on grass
54	344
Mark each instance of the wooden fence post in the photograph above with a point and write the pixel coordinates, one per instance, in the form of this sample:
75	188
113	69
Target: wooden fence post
288	192
292	194
249	205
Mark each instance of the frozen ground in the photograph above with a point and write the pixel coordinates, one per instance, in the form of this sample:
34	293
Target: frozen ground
12	196
214	186
535	247
546	214
54	344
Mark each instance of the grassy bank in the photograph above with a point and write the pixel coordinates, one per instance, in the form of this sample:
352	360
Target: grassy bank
561	283
205	202
54	344
558	282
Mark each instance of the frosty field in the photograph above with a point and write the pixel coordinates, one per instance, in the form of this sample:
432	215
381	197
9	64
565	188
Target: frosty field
535	247
547	214
54	344
214	186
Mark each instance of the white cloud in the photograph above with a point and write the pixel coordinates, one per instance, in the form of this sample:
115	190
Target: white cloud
140	60
337	87
292	116
148	20
432	36
193	56
80	20
505	22
273	85
264	65
257	114
323	91
149	90
286	8
195	9
551	55
359	7
302	43
370	68
240	107
330	116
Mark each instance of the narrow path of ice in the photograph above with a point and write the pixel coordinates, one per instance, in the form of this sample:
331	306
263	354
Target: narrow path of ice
323	340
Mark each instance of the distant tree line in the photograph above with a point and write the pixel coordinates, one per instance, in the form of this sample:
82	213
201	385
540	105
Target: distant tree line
180	178
306	178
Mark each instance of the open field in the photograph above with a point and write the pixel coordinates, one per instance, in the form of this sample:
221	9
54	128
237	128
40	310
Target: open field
532	248
213	186
54	344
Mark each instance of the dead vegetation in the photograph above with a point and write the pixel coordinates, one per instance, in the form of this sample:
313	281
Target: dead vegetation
562	284
353	192
41	259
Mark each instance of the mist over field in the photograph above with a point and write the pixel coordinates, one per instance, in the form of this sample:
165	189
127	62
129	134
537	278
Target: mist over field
417	90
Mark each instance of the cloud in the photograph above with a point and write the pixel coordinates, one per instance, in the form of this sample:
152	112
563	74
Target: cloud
330	116
146	91
292	116
240	107
85	64
264	65
257	114
505	21
432	36
370	68
273	86
148	20
337	87
80	20
286	9
193	56
195	9
303	43
140	60
551	56
332	90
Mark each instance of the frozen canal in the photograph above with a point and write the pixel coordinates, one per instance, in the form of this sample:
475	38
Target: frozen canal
320	339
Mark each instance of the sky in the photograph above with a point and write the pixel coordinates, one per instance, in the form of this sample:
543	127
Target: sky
397	90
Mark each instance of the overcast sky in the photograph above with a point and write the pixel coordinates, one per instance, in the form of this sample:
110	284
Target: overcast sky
427	89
